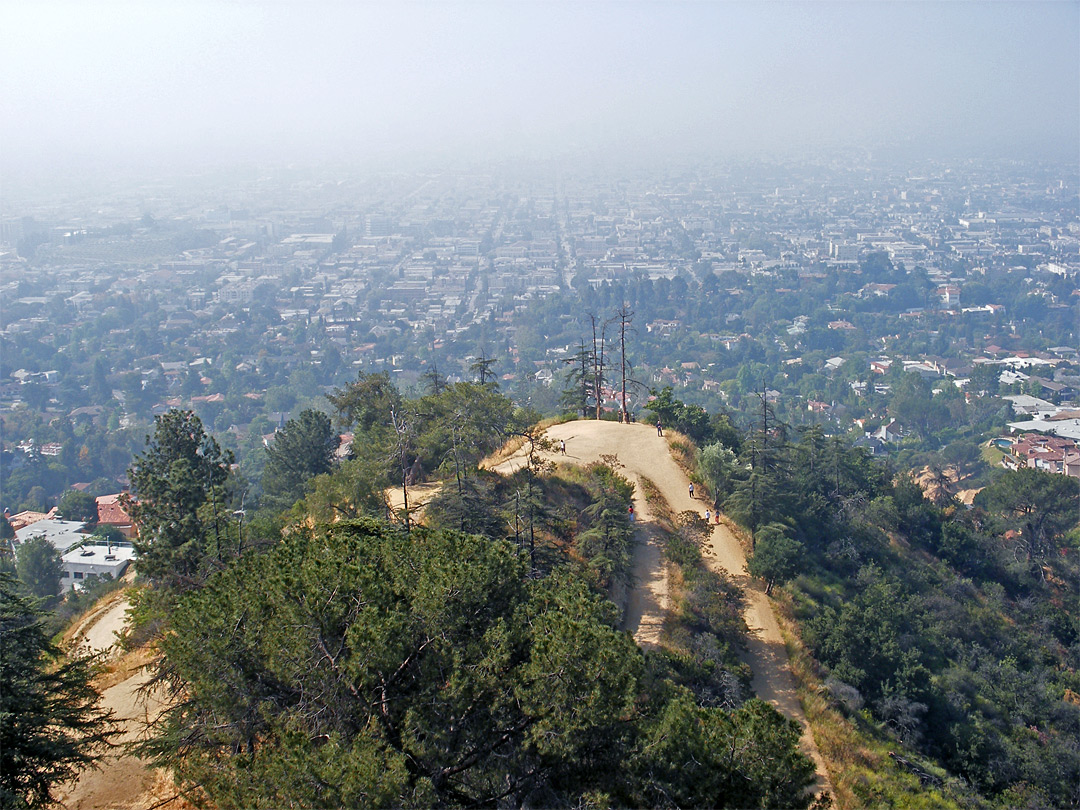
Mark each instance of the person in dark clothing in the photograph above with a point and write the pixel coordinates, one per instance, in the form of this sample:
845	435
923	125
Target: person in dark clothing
659	428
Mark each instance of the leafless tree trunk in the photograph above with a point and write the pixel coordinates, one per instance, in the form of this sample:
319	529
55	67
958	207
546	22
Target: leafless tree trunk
401	428
625	316
599	362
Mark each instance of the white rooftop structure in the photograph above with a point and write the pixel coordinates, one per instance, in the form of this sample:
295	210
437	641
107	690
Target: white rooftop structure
1025	404
1065	428
80	563
62	534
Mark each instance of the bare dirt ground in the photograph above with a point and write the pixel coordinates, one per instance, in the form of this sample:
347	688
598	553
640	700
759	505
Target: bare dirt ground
123	782
646	603
419	495
643	453
98	629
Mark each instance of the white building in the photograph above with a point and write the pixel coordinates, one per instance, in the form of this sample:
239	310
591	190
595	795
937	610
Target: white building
62	534
80	563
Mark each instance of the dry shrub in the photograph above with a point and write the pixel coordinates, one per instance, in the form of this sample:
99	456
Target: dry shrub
683	450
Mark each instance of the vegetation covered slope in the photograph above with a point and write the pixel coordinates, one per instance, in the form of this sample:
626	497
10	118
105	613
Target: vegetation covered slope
952	632
334	657
360	665
427	655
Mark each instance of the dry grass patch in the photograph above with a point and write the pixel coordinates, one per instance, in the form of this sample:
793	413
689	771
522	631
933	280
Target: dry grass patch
503	453
163	794
658	505
126	666
683	450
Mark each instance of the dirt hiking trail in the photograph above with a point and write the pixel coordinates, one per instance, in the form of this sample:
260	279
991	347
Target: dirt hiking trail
123	782
645	454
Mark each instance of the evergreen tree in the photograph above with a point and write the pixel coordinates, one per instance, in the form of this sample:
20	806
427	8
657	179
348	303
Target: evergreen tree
303	449
51	725
368	402
483	367
776	556
75	505
40	567
182	470
579	382
1040	505
360	665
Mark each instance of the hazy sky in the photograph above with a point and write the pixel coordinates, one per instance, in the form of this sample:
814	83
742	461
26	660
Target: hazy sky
307	81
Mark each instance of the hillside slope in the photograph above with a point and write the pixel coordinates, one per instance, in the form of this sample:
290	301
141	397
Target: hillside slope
645	454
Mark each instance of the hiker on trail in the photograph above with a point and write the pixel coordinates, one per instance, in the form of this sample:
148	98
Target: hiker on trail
708	516
659	428
691	489
717	516
631	512
562	446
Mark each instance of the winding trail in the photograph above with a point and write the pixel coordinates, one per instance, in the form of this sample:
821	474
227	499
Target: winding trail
645	454
123	782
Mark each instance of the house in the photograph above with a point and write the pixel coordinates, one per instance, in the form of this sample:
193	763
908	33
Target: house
21	520
95	560
880	290
1071	464
62	534
662	327
949	294
927	372
1067	428
1058	391
1024	405
873	445
891	432
110	512
1049	453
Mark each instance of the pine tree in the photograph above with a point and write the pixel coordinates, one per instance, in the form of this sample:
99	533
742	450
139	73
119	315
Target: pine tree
51	725
304	449
182	470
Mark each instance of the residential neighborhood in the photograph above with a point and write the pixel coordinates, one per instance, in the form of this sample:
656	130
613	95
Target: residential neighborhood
824	283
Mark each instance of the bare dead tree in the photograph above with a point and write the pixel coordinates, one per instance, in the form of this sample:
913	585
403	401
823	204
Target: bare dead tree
403	448
626	317
597	364
599	361
483	367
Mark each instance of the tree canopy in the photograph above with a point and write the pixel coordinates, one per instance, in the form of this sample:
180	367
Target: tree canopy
303	449
75	505
1040	505
360	665
40	567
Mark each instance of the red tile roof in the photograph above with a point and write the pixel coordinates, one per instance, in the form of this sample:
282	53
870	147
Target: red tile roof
110	512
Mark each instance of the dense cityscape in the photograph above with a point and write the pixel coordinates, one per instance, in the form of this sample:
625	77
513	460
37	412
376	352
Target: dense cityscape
230	297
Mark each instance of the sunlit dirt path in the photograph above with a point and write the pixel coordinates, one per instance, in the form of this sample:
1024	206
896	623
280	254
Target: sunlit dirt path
643	453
